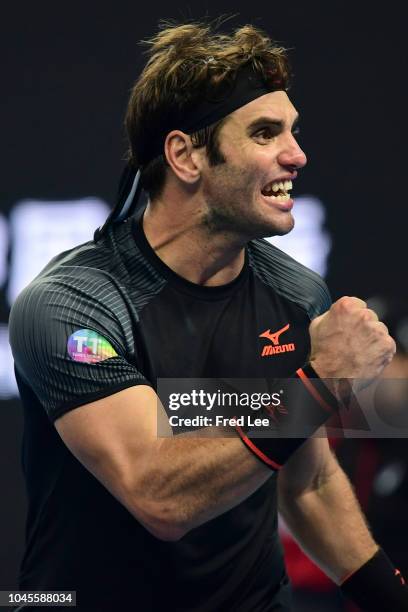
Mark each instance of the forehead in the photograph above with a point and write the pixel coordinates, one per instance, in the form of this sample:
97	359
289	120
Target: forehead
275	105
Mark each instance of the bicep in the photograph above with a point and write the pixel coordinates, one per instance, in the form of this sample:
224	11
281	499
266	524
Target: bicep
116	439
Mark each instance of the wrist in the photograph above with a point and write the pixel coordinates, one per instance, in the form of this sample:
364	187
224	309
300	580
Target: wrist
377	586
308	404
321	367
341	388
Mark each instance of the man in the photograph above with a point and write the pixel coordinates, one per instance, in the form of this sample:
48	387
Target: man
189	290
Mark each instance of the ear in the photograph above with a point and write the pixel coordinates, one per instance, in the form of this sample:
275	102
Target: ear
181	157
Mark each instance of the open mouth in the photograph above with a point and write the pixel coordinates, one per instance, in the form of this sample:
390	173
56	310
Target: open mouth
277	190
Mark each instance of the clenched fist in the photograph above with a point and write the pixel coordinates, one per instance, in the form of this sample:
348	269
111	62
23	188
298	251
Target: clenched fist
348	341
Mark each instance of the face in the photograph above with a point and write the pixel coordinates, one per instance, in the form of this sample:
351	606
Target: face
249	194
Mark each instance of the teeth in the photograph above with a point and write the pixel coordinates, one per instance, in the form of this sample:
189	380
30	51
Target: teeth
282	198
284	186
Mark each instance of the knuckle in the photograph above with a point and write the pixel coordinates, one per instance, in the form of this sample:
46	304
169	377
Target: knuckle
350	304
373	315
357	302
380	329
363	315
388	347
343	302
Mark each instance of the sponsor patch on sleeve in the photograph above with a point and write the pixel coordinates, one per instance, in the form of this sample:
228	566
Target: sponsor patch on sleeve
87	346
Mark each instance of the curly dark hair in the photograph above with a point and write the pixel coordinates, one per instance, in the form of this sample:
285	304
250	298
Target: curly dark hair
186	63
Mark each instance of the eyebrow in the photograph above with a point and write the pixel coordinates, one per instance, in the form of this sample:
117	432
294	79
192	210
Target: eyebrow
267	121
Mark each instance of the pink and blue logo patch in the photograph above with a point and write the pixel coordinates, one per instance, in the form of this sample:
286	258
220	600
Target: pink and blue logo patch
87	346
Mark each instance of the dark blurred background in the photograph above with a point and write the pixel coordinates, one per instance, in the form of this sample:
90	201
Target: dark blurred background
66	73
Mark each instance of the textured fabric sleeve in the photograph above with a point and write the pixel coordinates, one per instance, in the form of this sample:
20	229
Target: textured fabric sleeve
325	301
70	341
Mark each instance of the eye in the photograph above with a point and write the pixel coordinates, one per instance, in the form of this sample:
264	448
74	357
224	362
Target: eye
266	133
296	130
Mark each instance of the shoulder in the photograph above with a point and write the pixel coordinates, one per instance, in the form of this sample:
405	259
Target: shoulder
72	329
289	278
55	307
63	285
77	289
108	275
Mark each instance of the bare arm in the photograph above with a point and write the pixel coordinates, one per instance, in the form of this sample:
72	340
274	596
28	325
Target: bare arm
318	504
171	485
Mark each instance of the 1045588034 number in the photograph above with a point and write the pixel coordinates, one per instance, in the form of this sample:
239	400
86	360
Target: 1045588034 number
38	598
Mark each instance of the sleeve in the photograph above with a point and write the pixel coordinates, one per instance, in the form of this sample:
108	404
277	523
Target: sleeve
71	342
324	300
289	278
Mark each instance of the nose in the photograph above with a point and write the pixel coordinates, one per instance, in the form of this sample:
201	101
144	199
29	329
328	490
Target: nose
291	154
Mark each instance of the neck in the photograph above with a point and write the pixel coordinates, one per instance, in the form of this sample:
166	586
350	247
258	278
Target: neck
177	233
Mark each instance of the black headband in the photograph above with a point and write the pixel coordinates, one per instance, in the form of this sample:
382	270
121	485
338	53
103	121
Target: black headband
247	85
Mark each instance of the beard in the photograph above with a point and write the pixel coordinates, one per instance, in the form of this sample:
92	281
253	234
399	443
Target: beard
230	194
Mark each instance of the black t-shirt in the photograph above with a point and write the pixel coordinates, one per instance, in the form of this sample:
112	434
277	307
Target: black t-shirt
109	315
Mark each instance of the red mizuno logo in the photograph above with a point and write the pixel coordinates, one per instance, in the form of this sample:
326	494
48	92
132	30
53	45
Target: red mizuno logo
276	347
